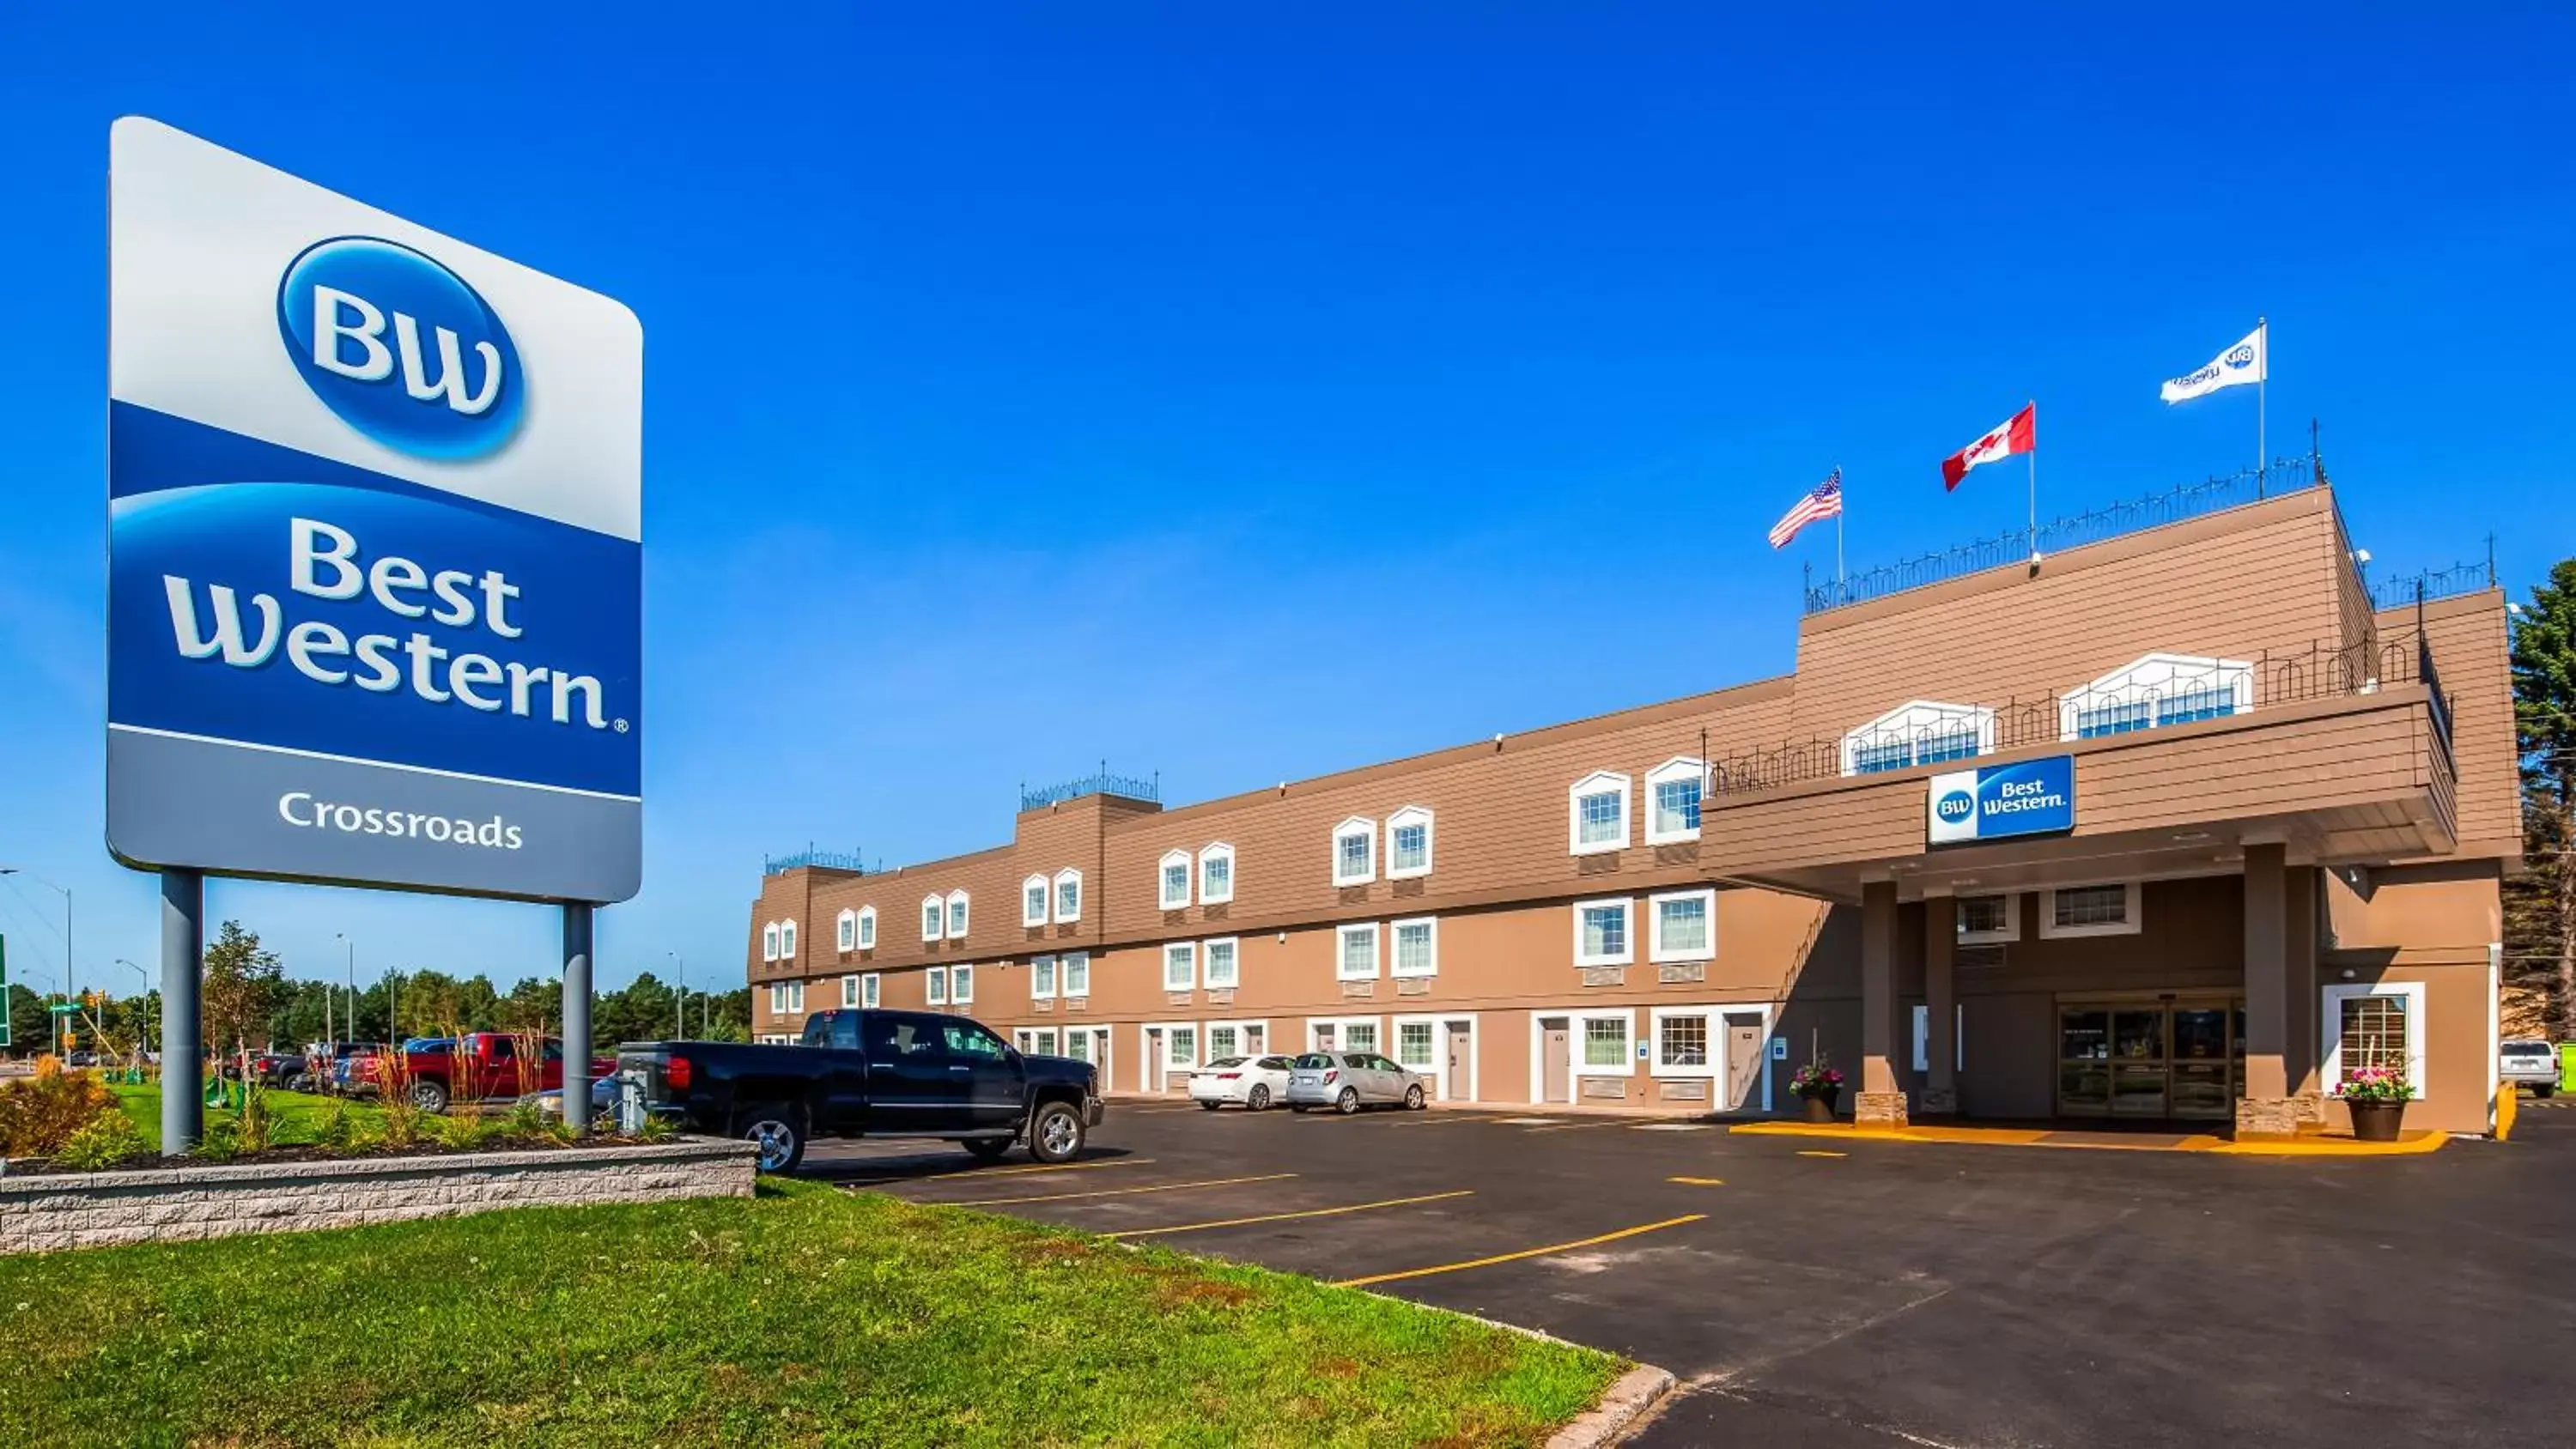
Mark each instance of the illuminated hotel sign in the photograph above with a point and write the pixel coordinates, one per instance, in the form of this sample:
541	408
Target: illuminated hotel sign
1998	802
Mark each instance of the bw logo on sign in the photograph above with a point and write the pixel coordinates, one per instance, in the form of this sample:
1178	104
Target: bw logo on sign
400	347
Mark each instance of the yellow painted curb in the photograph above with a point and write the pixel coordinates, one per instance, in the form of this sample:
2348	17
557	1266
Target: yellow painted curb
2407	1145
2310	1146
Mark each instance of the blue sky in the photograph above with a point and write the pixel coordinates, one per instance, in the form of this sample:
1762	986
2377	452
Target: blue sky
1244	396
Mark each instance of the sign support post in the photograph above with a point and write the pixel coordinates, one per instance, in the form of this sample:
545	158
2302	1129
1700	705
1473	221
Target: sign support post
183	935
576	1016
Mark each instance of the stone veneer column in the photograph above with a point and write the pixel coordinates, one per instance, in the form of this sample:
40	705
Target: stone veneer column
1940	1007
2266	1109
1879	1102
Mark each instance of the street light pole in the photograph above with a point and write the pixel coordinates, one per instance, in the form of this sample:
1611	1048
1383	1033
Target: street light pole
65	892
343	938
680	970
143	1033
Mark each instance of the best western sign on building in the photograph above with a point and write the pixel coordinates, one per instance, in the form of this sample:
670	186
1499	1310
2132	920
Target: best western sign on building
375	537
2033	797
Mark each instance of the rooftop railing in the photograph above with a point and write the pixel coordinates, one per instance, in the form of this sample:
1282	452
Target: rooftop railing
2460	578
1128	787
2176	696
2286	475
811	859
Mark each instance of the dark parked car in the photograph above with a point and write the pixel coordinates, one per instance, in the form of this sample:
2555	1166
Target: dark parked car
859	1073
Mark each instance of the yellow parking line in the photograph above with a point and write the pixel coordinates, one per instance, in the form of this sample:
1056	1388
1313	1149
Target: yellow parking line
1357	1207
1017	1171
1576	1126
1118	1191
1811	1152
1548	1251
1698	1181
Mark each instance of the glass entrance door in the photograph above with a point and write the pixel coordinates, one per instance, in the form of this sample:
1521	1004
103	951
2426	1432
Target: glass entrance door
2150	1059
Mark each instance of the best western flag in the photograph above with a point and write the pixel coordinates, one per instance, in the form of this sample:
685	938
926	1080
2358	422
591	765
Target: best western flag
2243	363
2018	435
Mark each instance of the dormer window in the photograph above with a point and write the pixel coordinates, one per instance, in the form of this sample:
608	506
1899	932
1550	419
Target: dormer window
1033	901
1597	813
1216	875
956	915
1919	732
1068	896
2160	689
1672	801
787	940
867	928
848	937
1355	852
1175	890
934	917
1408	843
769	942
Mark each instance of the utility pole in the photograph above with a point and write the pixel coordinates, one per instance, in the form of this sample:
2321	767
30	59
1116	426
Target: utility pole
680	971
343	938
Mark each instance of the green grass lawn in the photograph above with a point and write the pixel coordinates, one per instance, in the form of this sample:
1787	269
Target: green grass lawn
299	1114
807	1315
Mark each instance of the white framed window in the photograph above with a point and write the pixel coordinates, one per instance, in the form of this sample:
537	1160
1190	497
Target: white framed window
1413	1044
1408	843
1042	978
1672	800
867	928
1216	874
787	940
1033	901
1923	1038
1344	1033
1355	852
1414	946
786	998
1989	920
1685	1041
935	986
1604	1043
849	991
1181	1046
1225	1039
956	915
1073	974
1180	966
1355	952
961	985
1174	892
2089	910
2372	1024
848	931
769	942
934	917
1068	896
1682	925
1918	732
2155	690
1601	936
1221	963
1596	809
868	991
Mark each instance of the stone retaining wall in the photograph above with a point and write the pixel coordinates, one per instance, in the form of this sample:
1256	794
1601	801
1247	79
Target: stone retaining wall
96	1209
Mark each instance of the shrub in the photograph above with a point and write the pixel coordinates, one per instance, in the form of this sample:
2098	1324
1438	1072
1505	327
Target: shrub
222	1142
258	1118
402	1122
656	1129
105	1142
461	1132
39	1114
338	1131
526	1119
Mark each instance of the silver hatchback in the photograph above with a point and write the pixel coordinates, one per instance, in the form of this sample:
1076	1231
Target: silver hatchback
1348	1081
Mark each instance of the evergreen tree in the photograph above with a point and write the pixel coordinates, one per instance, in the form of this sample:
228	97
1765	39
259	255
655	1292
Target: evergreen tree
2540	904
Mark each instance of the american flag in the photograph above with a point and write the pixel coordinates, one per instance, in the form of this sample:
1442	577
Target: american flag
1825	502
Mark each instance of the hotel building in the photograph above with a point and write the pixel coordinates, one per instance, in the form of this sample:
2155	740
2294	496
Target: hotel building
2287	811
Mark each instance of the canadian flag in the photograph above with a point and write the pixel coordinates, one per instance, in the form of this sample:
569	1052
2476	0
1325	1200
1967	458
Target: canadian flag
2021	435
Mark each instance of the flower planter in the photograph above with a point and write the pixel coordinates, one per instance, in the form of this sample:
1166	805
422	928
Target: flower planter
2374	1121
1819	1106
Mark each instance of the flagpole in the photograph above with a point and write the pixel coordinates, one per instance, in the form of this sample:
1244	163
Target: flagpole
2034	481
1839	505
2262	389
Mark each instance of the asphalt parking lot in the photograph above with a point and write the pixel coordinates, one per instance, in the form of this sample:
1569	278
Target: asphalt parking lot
1883	1293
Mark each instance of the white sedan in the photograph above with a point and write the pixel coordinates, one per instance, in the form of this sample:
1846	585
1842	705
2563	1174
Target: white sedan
1249	1082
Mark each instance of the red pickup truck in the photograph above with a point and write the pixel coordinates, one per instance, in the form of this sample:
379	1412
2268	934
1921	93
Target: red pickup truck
477	1065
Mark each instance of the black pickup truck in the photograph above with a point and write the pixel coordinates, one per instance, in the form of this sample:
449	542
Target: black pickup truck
871	1074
